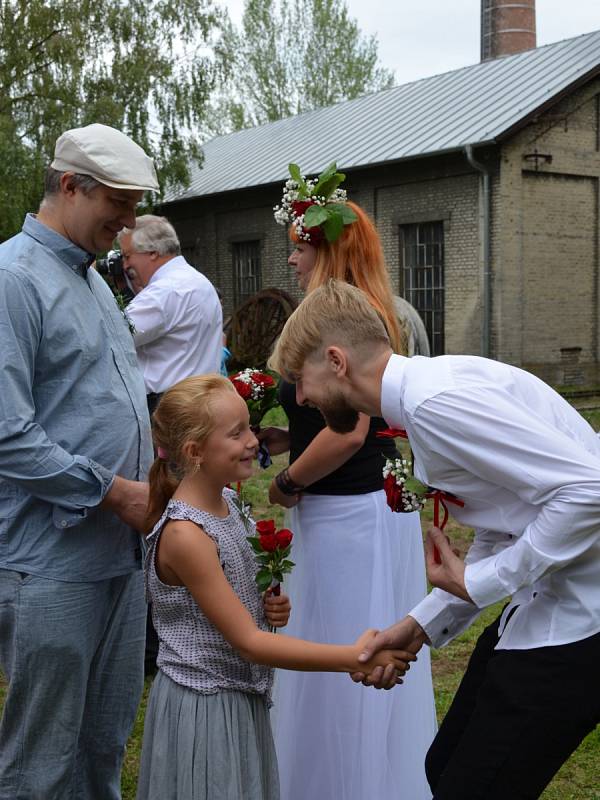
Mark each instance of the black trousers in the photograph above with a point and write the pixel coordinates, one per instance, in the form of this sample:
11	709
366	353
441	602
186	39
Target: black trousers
516	717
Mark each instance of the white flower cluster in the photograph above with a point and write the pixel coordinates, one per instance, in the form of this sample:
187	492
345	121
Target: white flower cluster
257	390
400	469
284	214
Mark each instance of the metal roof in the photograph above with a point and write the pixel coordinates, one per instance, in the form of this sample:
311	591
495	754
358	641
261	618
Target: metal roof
475	105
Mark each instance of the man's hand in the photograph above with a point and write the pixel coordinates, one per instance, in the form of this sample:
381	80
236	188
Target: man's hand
277	497
404	635
128	500
450	574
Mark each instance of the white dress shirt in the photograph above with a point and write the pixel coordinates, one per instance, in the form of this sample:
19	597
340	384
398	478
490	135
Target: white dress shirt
527	467
178	325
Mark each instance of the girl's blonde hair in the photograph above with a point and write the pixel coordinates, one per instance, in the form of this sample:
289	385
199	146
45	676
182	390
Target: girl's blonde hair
186	412
357	258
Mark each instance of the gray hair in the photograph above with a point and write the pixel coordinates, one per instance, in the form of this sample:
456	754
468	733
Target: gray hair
52	182
152	235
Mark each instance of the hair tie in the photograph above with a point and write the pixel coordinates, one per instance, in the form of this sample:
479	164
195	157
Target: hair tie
162	454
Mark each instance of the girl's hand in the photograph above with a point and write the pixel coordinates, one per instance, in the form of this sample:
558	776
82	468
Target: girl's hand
396	661
277	609
278	498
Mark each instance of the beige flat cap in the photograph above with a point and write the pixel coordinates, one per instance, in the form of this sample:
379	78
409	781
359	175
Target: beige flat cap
107	155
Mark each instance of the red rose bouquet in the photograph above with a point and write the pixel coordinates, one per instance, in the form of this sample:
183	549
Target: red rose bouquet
272	549
259	390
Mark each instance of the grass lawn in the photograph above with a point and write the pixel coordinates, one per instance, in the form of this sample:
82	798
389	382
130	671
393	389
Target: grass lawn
579	778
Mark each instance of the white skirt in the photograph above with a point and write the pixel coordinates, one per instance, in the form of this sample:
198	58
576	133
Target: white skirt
358	566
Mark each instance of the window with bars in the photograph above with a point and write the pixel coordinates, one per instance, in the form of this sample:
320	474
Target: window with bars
422	276
247	277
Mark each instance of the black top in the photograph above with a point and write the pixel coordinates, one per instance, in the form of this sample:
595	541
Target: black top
362	472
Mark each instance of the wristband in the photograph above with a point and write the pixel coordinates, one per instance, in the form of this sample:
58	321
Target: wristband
285	484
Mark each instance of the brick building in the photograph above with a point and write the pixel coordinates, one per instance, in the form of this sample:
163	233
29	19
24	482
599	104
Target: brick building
484	185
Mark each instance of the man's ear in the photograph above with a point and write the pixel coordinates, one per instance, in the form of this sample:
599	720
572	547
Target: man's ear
337	360
66	183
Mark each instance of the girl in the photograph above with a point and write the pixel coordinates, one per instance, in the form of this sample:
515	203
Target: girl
357	562
207	734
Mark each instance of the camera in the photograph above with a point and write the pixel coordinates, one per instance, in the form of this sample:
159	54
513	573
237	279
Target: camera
112	265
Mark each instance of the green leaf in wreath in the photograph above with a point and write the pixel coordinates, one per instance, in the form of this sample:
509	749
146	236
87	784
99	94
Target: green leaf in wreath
315	215
296	175
334	225
346	213
328	181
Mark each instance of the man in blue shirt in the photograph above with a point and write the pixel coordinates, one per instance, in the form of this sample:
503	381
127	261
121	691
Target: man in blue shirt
75	449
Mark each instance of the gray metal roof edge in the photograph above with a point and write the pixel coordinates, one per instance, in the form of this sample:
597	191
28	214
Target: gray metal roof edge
349	170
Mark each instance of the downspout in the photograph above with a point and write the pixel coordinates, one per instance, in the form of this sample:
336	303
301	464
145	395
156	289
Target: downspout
486	267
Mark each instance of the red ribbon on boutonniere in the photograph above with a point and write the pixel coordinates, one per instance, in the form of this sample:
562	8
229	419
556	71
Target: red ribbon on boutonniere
440	498
392	433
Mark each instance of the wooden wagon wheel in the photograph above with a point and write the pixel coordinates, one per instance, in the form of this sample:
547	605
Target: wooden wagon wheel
255	325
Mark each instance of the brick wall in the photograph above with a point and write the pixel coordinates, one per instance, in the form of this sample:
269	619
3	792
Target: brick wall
546	241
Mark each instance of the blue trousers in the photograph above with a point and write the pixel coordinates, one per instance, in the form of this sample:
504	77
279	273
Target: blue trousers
73	654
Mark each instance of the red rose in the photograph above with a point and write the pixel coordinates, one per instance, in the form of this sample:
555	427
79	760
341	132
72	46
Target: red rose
284	538
262	379
268	542
265	527
393	493
243	389
299	206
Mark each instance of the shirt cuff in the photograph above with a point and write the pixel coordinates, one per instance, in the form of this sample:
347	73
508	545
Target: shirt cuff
64	516
436	618
483	583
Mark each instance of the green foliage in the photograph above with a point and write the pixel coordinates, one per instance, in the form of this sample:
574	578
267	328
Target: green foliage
142	67
291	56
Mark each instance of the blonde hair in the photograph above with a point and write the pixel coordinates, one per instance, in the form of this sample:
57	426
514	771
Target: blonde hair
185	412
357	258
336	313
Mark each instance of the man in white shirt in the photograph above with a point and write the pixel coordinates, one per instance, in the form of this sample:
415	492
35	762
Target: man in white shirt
527	467
176	314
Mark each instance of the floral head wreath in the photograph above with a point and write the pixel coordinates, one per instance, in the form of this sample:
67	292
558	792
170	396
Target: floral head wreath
316	207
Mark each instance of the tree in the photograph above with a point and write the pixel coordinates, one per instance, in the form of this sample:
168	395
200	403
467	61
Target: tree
292	56
143	66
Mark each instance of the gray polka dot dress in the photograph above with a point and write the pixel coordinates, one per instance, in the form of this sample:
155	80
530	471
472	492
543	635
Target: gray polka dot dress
207	734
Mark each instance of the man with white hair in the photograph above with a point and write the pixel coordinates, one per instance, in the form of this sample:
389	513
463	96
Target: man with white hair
176	314
75	450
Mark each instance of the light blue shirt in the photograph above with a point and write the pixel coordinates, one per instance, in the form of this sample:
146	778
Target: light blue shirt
73	412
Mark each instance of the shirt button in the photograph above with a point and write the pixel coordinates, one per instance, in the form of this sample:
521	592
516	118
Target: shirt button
445	631
63	523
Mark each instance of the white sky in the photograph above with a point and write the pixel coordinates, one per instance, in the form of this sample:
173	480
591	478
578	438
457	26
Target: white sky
418	39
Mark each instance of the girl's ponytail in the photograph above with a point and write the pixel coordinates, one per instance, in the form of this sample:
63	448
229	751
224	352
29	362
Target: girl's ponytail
162	487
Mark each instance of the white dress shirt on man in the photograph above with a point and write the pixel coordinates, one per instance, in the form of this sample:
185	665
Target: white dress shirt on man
527	467
178	325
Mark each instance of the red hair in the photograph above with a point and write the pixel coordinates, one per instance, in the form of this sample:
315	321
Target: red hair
356	257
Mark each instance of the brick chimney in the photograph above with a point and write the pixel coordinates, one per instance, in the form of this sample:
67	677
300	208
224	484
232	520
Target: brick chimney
507	26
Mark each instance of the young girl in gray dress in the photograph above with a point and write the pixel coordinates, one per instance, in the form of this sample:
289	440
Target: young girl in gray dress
207	733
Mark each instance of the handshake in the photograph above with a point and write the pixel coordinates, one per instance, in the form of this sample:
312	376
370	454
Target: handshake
385	656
